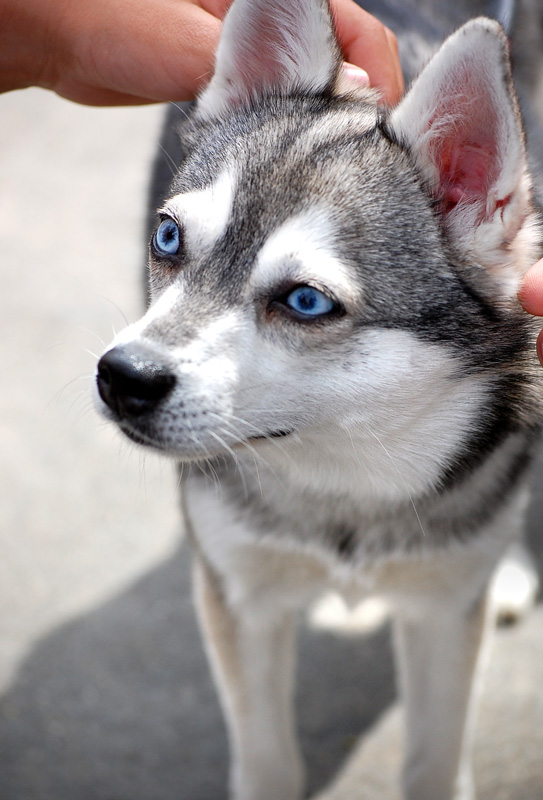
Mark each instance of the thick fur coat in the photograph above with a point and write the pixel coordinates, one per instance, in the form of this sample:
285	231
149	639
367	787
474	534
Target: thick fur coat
335	354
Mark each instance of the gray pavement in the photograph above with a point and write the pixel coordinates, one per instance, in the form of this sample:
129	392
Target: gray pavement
105	690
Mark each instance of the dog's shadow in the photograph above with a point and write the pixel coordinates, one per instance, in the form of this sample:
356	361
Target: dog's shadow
119	705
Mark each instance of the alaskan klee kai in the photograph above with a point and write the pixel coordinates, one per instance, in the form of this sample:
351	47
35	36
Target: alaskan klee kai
334	342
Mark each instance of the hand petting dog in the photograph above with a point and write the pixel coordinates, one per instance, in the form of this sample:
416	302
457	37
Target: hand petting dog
531	298
143	51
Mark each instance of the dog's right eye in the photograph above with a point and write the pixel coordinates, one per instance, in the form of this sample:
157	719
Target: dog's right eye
167	238
310	302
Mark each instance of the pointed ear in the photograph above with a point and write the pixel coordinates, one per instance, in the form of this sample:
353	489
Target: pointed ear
462	124
272	45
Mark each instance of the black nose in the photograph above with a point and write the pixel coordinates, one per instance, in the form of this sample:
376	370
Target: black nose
131	381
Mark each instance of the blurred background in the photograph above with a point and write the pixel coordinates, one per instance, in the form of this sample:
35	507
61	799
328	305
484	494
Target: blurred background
105	693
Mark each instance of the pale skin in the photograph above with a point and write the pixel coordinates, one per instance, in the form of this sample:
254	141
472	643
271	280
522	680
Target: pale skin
531	298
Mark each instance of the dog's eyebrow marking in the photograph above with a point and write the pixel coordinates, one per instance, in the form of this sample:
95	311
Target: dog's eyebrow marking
204	214
302	250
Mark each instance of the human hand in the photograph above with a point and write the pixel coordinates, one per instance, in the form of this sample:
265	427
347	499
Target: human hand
531	298
100	52
369	44
138	51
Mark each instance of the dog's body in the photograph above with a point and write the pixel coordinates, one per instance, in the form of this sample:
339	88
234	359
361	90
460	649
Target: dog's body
334	340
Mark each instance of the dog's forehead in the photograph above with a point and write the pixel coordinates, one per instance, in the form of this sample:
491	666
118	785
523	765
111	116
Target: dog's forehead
266	148
298	200
235	191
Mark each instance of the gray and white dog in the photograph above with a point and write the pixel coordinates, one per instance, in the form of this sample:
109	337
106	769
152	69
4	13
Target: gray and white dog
334	344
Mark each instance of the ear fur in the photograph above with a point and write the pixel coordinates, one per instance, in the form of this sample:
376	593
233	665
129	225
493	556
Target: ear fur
462	123
272	45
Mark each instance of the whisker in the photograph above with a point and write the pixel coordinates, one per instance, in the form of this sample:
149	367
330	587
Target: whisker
63	389
255	430
93	333
253	453
115	306
180	469
207	464
235	430
205	458
236	461
398	471
142	484
83	400
173	167
250	448
179	108
216	479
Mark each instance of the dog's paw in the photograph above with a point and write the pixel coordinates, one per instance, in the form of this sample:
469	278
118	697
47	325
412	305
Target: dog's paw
514	587
282	781
465	787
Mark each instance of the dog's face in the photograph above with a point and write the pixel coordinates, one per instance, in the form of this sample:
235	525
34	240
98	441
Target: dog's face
322	278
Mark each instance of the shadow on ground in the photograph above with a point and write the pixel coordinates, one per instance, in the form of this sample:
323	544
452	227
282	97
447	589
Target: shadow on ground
119	705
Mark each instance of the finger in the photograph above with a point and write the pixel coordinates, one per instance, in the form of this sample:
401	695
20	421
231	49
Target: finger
356	75
95	96
367	43
217	8
395	51
539	347
530	293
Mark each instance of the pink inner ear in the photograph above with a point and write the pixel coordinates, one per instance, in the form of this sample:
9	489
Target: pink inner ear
466	172
265	62
465	148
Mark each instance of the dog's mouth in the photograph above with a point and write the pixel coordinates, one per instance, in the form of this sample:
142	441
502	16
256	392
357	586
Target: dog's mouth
140	438
272	435
154	442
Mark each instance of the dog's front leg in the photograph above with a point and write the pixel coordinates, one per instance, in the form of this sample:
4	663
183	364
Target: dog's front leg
252	656
438	650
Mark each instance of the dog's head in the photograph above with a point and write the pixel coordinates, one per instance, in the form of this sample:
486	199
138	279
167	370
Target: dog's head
332	274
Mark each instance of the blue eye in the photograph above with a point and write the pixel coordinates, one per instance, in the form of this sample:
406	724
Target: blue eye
310	302
167	239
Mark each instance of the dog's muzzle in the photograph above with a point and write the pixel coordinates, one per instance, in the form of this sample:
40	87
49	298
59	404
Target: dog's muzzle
131	382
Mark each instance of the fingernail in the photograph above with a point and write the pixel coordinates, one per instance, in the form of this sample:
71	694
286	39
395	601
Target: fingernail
356	75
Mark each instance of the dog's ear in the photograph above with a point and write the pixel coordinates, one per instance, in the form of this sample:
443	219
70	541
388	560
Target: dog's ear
462	124
272	45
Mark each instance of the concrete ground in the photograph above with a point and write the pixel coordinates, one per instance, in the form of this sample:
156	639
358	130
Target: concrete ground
105	690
